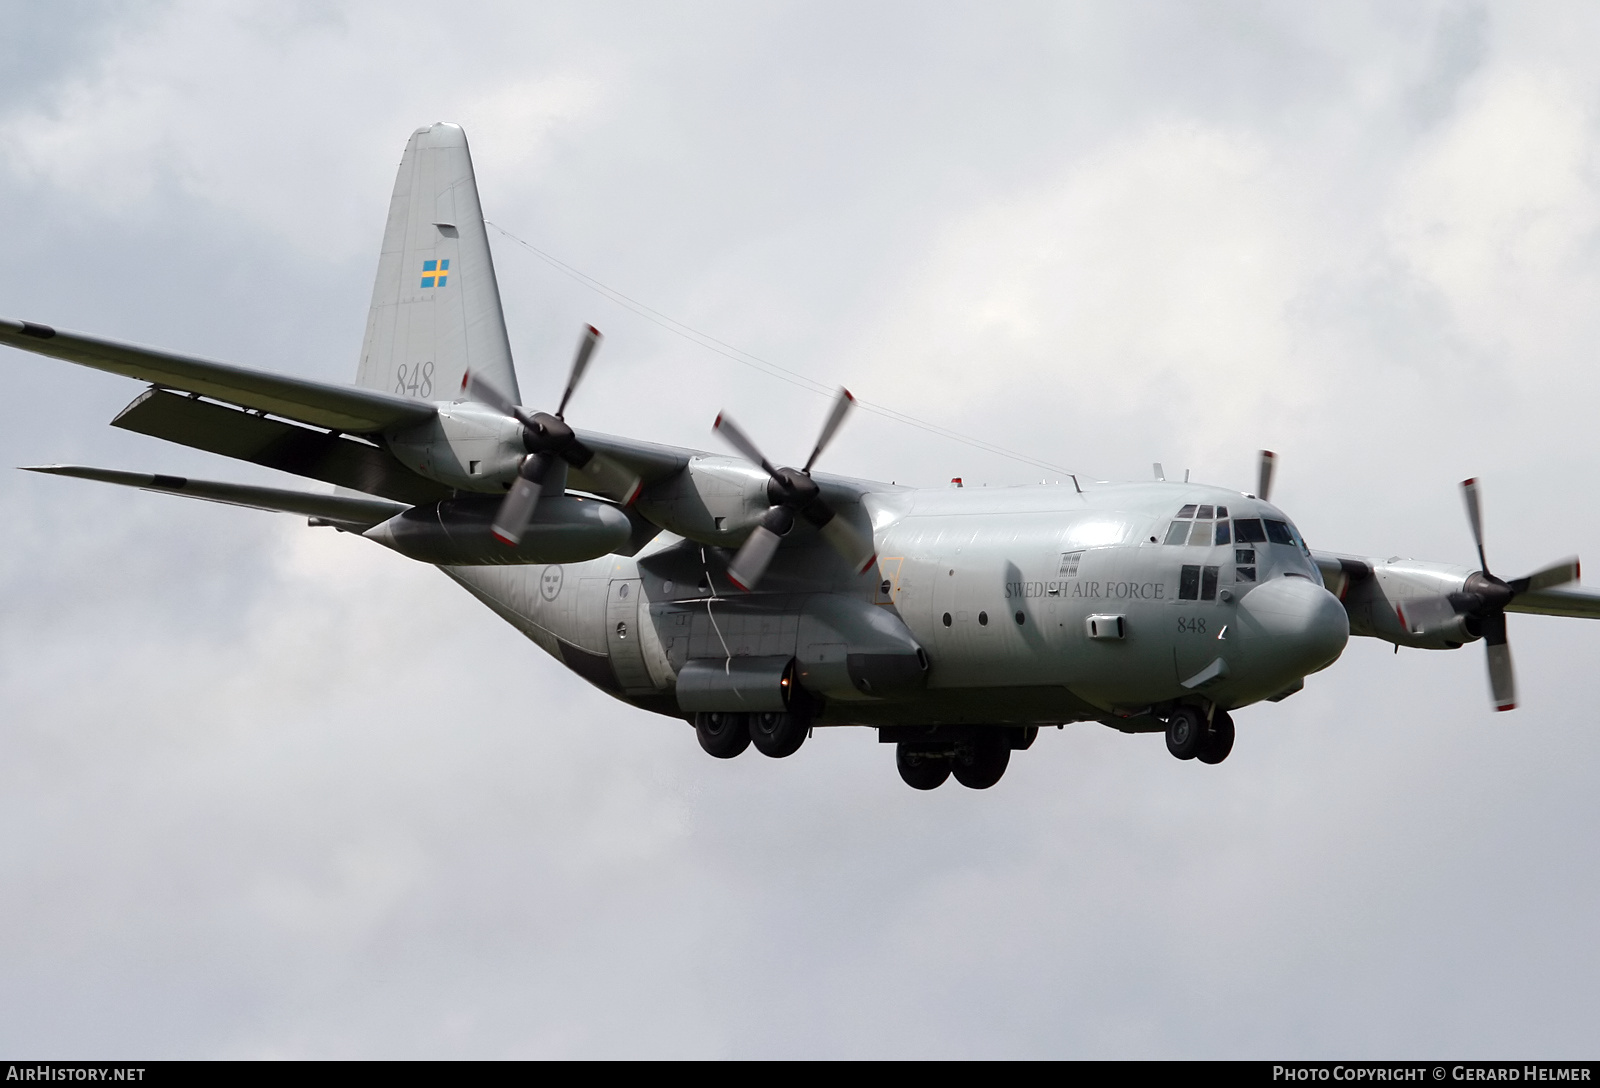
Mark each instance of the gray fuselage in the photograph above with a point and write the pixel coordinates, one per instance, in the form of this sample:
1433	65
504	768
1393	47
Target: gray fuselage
1020	605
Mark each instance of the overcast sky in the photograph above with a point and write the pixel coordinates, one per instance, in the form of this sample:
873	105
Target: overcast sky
273	791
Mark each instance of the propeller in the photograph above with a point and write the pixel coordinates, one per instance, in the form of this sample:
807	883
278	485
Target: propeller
1483	600
793	492
1269	461
546	439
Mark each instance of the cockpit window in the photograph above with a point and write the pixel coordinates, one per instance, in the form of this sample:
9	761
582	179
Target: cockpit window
1195	526
1249	531
1278	532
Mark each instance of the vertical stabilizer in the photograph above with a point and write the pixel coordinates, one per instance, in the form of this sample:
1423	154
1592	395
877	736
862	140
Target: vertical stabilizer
436	306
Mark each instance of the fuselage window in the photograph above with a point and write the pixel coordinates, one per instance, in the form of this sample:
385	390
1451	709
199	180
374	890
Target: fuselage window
1197	583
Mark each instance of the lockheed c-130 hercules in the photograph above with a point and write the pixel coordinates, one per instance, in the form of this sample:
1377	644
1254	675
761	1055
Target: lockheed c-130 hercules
757	601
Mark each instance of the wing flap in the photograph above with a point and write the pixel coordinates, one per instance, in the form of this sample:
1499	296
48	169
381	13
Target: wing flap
318	455
320	404
342	510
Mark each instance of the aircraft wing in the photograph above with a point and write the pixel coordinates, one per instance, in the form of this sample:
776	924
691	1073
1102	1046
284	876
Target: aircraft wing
342	510
1561	601
320	404
649	461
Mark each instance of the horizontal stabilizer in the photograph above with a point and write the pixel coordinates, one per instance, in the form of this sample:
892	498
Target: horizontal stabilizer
350	512
335	407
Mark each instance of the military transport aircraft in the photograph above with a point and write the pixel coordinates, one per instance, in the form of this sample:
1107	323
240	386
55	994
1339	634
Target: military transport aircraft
757	601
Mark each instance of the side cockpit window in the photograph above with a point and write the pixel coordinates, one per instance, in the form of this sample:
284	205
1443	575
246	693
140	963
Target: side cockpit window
1278	532
1199	526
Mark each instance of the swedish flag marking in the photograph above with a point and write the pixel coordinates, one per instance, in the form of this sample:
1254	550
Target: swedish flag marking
432	270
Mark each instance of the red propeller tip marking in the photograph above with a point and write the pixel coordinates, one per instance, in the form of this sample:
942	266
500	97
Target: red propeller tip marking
1507	706
507	541
593	331
738	584
1471	482
718	423
465	375
868	564
634	494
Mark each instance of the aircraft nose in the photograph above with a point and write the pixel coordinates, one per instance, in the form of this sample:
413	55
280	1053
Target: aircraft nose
1295	626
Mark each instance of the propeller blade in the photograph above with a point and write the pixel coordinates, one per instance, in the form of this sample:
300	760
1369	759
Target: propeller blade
516	510
1556	574
741	442
613	479
586	346
857	551
1502	679
1469	492
1419	614
750	565
1269	461
475	388
841	407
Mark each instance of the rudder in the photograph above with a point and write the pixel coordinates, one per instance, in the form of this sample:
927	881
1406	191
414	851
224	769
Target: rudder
436	305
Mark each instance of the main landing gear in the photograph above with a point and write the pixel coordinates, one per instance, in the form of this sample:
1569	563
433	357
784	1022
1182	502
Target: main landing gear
774	733
1191	736
977	756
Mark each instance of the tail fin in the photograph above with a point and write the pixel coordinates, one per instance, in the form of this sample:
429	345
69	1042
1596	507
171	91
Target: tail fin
436	306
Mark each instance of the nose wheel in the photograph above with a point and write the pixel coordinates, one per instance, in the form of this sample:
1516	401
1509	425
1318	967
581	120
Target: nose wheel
1190	736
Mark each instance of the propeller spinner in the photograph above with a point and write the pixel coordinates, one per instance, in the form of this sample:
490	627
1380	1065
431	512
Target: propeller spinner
793	492
547	438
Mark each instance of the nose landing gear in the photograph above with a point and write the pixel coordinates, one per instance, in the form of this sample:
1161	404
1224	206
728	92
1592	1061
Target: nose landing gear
1191	736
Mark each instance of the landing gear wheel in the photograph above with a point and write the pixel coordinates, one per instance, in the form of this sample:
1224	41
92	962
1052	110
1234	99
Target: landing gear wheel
779	733
1220	742
980	763
722	734
921	768
1186	732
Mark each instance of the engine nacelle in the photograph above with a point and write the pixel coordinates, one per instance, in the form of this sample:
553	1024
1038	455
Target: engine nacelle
456	532
715	500
467	446
1407	602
